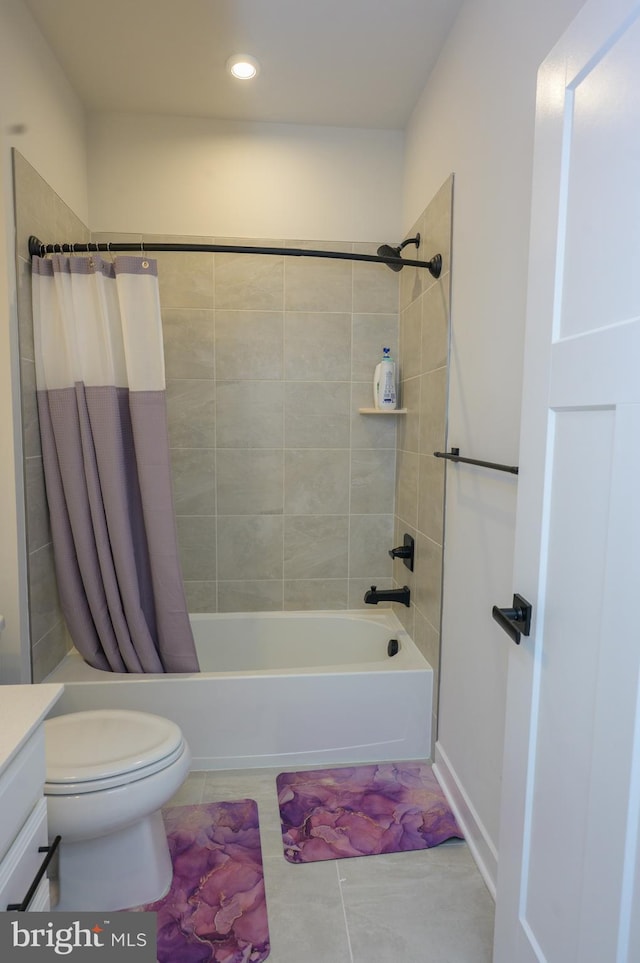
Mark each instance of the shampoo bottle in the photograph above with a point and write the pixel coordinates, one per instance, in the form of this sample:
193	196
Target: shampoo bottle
384	383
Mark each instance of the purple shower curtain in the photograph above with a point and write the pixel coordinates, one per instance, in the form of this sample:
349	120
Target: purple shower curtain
103	425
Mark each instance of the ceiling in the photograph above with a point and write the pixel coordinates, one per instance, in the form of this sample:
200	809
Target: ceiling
345	63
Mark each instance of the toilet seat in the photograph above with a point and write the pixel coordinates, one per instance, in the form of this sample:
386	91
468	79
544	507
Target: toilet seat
105	748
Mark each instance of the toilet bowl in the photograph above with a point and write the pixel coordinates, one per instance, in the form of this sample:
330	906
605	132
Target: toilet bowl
108	773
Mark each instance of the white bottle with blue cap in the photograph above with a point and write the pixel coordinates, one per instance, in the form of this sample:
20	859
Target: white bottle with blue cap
384	383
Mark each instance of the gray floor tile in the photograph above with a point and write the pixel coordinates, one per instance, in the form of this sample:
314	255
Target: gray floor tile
429	907
190	792
306	917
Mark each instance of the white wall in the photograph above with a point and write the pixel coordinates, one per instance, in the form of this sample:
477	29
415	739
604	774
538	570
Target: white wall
476	118
186	175
35	94
36	99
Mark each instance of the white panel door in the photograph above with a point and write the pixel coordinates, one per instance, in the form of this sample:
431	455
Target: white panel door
569	877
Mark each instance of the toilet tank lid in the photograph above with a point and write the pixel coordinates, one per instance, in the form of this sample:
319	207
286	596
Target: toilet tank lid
104	742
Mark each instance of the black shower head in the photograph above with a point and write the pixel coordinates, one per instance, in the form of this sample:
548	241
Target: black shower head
385	250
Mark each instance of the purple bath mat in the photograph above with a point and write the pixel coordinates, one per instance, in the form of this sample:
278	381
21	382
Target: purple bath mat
362	811
215	911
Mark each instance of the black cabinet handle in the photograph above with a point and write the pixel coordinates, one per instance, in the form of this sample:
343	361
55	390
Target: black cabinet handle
44	866
515	621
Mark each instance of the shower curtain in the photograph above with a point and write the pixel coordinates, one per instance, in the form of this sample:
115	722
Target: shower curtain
101	405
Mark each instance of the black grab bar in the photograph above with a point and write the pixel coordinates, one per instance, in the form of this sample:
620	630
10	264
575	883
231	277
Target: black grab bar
454	455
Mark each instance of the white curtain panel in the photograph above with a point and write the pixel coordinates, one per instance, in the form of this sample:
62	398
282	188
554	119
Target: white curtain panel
102	410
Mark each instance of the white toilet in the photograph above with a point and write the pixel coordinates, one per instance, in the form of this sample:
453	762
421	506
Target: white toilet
109	771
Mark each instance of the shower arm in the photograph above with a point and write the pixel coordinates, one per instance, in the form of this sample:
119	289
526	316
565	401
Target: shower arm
38	249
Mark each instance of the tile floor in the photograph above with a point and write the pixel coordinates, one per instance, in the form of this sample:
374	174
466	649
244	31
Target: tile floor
423	907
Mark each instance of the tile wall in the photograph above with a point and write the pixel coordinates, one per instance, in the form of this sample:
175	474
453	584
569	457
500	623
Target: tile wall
284	493
424	365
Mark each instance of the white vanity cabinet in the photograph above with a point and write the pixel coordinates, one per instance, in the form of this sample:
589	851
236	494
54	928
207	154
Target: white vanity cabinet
24	847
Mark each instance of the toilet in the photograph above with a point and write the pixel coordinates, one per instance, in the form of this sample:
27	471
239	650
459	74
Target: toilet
108	773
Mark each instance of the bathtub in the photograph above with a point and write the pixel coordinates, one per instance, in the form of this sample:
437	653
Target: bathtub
280	689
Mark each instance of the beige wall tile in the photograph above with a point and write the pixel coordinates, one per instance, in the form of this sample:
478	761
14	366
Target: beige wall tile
49	651
437	223
367	430
375	286
191	414
316	593
410	340
30	424
193	481
317	346
420	477
373	475
407	487
317	414
431	497
249	282
249	345
316	546
249	414
406	615
249	548
316	482
25	311
409	424
317	285
201	596
414	279
38	528
188	342
185	279
249	481
197	546
435	325
250	596
429	585
370	538
372	333
433	411
44	603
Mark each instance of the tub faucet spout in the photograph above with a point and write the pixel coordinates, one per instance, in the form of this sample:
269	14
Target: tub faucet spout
375	595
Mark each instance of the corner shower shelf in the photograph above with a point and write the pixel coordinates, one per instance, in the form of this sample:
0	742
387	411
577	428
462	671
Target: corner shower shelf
382	411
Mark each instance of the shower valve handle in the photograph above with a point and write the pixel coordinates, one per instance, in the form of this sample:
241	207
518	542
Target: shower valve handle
404	551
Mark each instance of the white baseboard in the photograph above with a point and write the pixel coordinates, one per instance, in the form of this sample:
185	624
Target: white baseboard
476	836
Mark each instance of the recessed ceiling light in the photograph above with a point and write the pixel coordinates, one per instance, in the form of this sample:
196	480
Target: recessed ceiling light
242	66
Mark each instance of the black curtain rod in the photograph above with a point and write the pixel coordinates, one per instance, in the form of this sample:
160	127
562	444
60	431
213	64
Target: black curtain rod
38	249
454	455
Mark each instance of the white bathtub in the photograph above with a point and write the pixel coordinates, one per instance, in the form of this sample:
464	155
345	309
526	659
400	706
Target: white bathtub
280	689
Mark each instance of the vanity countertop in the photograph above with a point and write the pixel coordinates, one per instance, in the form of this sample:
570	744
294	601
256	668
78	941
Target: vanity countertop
22	708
